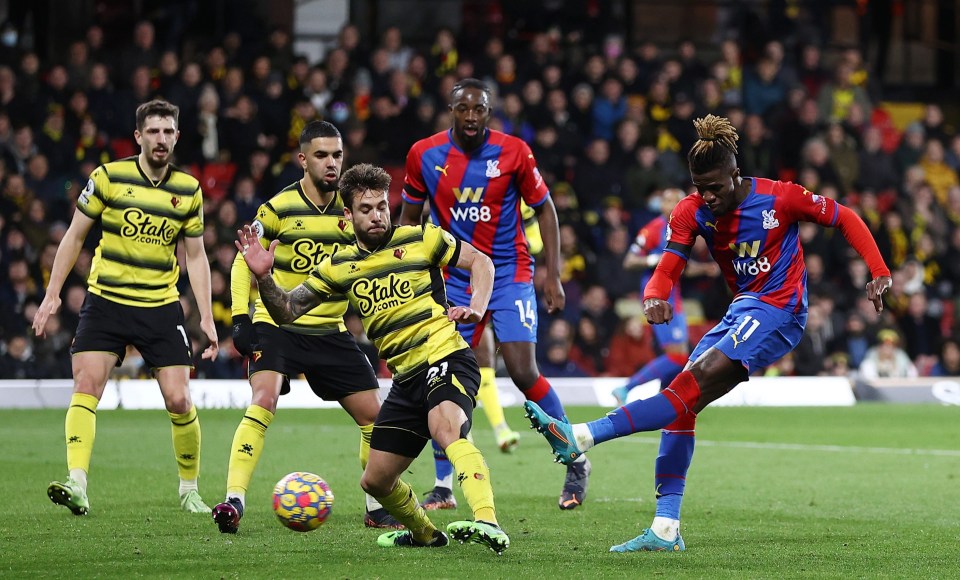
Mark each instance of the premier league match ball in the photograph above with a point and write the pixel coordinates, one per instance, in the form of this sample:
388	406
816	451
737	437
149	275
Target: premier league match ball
302	501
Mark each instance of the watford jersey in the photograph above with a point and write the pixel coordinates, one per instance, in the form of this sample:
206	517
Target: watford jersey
399	294
135	262
307	235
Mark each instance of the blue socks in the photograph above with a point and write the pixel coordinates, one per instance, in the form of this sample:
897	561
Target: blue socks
676	453
643	415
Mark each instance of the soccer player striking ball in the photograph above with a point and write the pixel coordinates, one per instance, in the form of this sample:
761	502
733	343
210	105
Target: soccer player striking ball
750	225
144	204
307	218
392	277
645	253
475	178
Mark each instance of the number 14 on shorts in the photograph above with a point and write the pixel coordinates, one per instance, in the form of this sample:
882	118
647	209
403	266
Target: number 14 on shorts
528	315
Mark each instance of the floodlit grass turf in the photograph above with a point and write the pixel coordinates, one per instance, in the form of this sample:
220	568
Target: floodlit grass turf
792	493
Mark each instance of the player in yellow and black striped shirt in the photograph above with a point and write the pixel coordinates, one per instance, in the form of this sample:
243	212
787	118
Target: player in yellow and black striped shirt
392	276
306	219
145	207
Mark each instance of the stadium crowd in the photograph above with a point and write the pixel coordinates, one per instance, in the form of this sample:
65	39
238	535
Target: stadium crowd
609	124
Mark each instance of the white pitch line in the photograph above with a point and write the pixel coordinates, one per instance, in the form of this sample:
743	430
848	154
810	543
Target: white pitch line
816	448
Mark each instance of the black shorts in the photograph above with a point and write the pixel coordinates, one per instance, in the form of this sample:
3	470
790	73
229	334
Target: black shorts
333	364
157	332
401	426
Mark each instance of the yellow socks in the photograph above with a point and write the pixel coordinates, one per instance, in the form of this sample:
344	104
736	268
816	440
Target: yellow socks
80	429
403	505
245	452
366	431
474	477
186	446
490	398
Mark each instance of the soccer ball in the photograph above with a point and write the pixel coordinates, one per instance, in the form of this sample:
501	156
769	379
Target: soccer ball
302	501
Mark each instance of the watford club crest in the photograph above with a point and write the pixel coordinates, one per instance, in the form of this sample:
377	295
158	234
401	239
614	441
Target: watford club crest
174	201
399	253
342	224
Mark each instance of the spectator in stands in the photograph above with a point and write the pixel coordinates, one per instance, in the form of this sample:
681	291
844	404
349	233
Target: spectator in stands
910	149
920	330
948	364
558	362
763	87
877	171
937	173
887	359
836	97
19	362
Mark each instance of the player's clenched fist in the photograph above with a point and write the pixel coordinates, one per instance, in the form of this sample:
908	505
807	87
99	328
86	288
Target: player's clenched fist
657	311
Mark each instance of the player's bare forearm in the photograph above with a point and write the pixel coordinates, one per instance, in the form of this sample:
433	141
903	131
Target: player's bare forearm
198	269
285	307
481	282
411	214
550	232
68	251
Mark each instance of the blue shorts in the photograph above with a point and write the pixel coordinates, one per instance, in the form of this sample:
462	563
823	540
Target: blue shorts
513	309
754	333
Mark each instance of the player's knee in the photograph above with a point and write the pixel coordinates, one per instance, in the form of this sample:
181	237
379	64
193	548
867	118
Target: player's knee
375	485
265	399
524	377
178	403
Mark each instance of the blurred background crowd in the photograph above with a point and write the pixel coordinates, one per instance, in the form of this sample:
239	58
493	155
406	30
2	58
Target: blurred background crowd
607	112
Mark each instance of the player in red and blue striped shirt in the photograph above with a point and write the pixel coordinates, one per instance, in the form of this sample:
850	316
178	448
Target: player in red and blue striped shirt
475	178
751	227
672	338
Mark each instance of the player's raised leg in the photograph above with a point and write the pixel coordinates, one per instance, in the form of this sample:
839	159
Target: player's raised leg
185	429
90	371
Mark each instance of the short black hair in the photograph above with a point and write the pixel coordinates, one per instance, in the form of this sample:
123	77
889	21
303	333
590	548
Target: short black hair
360	178
469	83
157	108
318	129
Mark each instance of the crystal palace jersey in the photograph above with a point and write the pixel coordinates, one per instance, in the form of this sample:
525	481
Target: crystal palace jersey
757	244
307	235
135	262
477	196
399	294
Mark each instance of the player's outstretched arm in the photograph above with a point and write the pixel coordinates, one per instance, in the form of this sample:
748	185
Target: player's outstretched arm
67	253
198	269
553	291
481	282
858	235
284	307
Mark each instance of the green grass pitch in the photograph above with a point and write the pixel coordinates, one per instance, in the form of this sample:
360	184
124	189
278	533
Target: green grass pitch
871	491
